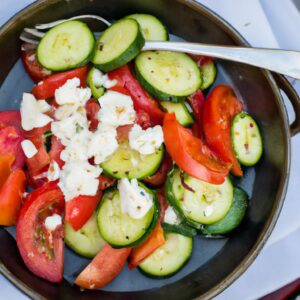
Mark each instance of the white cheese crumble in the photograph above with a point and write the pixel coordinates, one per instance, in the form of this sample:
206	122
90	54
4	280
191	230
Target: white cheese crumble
171	216
79	178
53	171
29	148
103	143
71	93
145	141
32	112
116	109
52	222
68	127
135	201
99	79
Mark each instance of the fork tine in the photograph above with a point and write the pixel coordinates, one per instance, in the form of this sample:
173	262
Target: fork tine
34	32
52	24
24	37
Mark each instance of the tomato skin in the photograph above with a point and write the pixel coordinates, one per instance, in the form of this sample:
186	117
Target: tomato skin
33	68
159	178
219	109
11	118
80	209
11	194
163	204
105	182
141	252
36	208
201	60
143	103
107	264
190	154
56	148
45	89
10	144
92	109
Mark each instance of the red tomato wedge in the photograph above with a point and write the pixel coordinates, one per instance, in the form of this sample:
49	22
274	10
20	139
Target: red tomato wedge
92	108
45	89
42	250
143	103
11	118
163	204
141	252
6	162
56	148
80	209
11	192
201	60
10	144
219	109
159	178
190	154
104	268
33	68
105	182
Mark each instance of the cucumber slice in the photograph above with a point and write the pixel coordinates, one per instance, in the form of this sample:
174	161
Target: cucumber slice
233	218
126	162
87	241
208	203
246	139
209	74
168	76
120	230
152	28
183	116
181	229
66	46
97	91
118	45
169	258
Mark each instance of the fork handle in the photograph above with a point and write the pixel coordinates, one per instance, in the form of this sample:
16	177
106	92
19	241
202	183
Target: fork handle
280	61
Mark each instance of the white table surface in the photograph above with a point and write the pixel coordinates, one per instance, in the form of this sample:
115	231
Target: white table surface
264	23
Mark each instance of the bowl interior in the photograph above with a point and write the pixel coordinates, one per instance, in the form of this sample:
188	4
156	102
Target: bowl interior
213	260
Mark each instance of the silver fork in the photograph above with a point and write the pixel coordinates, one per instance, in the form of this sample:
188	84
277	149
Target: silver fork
285	62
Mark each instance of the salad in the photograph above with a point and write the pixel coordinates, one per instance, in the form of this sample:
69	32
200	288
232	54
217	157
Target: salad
121	154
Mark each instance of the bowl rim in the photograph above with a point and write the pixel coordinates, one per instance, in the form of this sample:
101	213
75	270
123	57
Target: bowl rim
282	188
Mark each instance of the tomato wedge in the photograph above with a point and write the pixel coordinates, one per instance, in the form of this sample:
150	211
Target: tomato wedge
105	182
12	187
56	148
32	66
145	106
80	209
190	154
10	144
42	250
11	118
219	109
104	268
163	204
92	108
159	178
45	89
141	252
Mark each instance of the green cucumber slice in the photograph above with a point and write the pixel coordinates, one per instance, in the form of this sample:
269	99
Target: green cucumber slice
86	241
209	74
118	44
207	204
181	229
97	91
152	28
119	229
129	163
246	139
169	258
233	218
66	46
183	116
168	76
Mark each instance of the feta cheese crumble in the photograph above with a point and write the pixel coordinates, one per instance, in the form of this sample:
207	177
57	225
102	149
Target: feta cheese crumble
29	148
135	201
171	216
116	109
52	222
79	178
71	93
103	143
145	141
99	79
33	112
53	171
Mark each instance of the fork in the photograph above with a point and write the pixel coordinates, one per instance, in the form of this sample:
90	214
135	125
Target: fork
285	62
